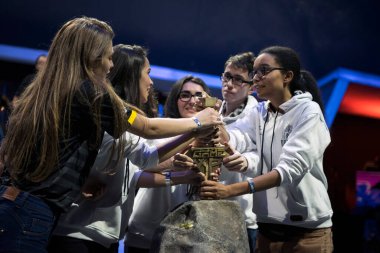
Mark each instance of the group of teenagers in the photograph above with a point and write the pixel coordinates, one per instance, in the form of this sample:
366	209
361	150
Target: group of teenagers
86	161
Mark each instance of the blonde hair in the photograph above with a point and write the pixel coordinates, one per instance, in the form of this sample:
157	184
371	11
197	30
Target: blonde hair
41	117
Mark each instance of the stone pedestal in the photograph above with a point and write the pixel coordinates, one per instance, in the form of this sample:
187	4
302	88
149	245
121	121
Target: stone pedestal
206	226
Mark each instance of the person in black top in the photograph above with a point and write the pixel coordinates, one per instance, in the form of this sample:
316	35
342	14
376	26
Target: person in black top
56	128
38	64
5	108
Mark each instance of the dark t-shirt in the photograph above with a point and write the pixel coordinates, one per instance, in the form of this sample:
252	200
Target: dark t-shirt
77	152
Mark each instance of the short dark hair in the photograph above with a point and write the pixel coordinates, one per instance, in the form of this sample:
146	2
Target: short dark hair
243	61
38	58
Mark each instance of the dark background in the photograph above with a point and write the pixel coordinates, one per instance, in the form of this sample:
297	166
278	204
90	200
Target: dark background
199	35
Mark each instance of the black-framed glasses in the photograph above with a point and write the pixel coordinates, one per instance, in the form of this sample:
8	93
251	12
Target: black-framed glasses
186	95
236	80
264	70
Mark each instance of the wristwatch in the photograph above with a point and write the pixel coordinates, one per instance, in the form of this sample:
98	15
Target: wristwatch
168	178
251	185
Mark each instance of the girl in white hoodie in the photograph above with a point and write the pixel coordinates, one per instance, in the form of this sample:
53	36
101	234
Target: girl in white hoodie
143	222
289	134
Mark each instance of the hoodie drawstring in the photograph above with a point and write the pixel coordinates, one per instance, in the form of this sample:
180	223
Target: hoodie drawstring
126	177
271	144
262	144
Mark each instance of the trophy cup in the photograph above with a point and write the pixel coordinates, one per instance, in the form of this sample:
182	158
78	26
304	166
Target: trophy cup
208	157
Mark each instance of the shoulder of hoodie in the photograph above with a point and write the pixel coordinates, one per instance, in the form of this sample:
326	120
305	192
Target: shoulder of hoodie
251	105
252	102
306	107
301	102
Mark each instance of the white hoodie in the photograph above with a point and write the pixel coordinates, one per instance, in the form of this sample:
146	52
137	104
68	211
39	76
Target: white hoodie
293	143
105	220
229	177
150	207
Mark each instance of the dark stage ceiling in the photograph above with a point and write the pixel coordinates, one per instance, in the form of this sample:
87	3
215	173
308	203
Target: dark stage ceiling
198	35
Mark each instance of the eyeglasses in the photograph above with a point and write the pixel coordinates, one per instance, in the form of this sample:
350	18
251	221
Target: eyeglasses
186	96
264	70
236	80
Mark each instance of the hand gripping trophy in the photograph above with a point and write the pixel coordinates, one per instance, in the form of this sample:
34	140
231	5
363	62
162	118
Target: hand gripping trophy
207	156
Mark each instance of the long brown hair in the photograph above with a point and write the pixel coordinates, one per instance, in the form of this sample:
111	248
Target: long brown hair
42	112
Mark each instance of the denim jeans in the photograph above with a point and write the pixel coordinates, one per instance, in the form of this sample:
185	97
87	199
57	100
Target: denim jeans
252	234
25	223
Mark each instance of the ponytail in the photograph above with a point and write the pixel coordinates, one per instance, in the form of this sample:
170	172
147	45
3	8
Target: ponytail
308	83
302	80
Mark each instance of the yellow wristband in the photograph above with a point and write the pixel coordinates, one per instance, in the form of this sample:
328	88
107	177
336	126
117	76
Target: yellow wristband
132	117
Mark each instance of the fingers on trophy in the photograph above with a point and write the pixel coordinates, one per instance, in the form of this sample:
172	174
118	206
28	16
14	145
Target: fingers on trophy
208	156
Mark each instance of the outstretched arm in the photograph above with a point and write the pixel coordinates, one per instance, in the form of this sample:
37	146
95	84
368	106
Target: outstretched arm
182	142
152	128
215	190
152	179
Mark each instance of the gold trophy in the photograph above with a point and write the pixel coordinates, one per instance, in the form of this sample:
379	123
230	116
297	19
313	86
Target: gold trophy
208	157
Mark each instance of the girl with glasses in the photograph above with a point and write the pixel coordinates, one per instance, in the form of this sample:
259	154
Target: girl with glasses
289	135
180	103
